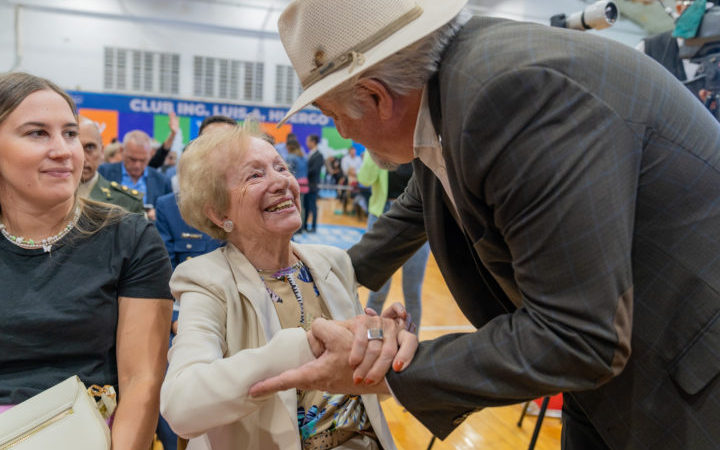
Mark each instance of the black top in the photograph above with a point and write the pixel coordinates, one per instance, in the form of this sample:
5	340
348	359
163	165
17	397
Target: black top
398	179
59	310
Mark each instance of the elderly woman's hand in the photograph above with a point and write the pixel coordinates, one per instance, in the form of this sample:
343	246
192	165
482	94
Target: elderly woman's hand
316	346
329	372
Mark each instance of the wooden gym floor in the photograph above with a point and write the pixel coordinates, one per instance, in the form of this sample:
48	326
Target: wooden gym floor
491	428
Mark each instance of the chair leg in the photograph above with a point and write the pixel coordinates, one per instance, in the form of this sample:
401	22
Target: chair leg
432	442
522	414
539	422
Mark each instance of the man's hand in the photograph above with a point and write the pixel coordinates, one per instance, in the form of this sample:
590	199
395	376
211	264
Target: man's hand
373	358
330	372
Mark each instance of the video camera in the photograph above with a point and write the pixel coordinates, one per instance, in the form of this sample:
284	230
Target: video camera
704	49
598	16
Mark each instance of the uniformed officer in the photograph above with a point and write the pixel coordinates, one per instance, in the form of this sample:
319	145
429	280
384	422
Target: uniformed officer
181	240
93	185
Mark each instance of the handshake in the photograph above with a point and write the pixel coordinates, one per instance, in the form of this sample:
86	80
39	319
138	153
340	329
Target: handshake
352	356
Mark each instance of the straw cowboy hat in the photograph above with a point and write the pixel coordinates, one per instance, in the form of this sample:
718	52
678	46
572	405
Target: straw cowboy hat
330	41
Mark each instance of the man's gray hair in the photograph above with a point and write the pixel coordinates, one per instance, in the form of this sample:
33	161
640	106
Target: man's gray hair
139	137
403	72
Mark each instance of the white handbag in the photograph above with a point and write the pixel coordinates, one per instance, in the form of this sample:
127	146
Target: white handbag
63	417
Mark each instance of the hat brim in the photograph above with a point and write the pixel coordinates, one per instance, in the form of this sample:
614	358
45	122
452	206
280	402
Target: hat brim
435	14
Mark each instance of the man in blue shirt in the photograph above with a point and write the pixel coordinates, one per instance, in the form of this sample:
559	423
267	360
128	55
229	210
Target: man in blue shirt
134	172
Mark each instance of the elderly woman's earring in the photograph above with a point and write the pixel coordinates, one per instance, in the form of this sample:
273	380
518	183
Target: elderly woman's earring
228	225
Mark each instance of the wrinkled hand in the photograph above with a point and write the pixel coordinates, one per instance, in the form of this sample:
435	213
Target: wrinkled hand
316	346
372	359
330	372
397	312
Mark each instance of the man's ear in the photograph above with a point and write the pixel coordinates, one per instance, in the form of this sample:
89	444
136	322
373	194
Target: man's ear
382	99
213	215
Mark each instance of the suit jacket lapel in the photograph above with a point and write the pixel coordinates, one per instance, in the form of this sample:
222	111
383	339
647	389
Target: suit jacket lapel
433	93
435	105
251	287
339	303
336	298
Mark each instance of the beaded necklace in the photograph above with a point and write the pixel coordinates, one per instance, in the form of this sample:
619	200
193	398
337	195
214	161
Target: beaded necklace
286	275
47	243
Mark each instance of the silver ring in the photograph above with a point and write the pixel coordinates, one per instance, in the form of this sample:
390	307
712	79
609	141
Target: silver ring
375	334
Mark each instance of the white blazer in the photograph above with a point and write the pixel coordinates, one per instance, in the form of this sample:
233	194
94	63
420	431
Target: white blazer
229	338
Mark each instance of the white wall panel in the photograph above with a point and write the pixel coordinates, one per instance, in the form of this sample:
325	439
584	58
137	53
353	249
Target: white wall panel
64	39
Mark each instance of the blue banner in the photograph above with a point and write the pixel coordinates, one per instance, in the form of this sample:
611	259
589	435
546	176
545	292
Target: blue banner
192	108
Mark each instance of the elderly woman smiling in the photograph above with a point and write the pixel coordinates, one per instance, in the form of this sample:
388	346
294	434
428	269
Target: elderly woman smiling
246	310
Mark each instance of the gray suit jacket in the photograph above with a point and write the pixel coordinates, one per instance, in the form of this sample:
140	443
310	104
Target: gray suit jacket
587	182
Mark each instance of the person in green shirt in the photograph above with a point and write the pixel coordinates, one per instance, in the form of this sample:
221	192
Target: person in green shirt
386	187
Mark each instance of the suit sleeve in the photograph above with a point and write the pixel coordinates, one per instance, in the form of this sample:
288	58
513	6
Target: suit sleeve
104	170
315	164
393	239
167	185
203	388
558	170
158	158
162	223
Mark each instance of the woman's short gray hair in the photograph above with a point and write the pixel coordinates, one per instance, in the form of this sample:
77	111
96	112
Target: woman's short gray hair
405	71
202	175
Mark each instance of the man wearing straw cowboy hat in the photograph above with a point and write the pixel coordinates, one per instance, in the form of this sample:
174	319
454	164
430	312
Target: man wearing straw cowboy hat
570	191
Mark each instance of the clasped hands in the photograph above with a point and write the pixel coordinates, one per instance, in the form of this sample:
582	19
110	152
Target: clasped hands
346	360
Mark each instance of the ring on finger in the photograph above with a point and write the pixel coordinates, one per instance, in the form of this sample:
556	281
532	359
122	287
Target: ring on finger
375	334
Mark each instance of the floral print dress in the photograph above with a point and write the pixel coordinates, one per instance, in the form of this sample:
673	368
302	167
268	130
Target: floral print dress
325	420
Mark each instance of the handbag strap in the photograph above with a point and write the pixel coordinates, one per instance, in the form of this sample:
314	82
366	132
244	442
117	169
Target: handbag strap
106	399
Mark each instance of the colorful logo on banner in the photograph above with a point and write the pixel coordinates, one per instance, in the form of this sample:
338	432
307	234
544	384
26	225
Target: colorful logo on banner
107	121
117	114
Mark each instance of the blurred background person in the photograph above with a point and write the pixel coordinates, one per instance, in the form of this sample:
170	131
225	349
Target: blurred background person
181	240
298	165
386	187
85	285
160	153
350	164
281	147
247	308
113	152
170	161
134	171
665	49
93	185
208	123
315	165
